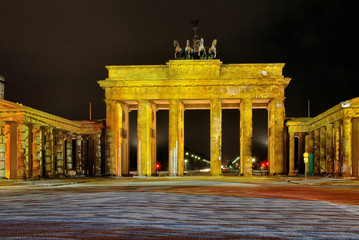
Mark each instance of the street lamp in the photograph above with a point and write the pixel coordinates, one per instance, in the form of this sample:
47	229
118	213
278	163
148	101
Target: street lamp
306	160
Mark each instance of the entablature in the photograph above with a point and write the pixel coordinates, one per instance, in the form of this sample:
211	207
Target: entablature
13	112
195	73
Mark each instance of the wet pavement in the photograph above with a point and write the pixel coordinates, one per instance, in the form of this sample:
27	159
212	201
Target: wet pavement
180	208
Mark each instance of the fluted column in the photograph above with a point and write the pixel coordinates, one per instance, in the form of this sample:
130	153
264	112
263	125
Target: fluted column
246	136
291	154
110	148
59	152
216	137
323	146
276	115
125	147
2	149
347	145
117	140
9	152
173	140
22	151
153	139
144	123
36	151
69	161
79	155
317	151
337	149
97	147
181	139
329	153
49	155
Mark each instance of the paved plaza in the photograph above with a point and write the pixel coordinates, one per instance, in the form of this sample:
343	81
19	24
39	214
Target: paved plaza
196	208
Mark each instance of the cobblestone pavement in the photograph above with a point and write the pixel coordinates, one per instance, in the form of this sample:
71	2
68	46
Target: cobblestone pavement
161	210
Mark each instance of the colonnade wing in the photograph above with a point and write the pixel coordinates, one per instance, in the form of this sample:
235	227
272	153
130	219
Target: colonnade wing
331	139
32	143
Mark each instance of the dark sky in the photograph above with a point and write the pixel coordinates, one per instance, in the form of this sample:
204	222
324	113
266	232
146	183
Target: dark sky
52	53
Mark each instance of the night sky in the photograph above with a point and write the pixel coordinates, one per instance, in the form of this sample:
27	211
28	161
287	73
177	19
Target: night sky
52	53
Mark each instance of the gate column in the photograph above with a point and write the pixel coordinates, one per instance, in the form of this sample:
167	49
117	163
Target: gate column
120	139
216	137
246	136
173	137
276	139
110	145
144	136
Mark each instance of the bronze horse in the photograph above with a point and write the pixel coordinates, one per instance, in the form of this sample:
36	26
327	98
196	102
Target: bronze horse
178	50
188	51
202	50
212	51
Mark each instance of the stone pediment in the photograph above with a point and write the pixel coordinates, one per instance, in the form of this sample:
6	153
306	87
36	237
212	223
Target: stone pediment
10	106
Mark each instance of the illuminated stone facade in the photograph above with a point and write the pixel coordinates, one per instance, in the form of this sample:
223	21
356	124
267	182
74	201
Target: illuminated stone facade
35	144
191	84
332	137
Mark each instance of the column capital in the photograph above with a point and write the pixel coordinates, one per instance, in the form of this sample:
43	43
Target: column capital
337	123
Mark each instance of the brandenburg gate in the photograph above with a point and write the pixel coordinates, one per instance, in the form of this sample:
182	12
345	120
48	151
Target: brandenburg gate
191	84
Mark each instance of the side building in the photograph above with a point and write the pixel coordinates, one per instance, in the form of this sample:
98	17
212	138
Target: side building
331	139
35	144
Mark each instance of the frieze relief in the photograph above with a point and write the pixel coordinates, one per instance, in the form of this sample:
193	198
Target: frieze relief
351	112
194	71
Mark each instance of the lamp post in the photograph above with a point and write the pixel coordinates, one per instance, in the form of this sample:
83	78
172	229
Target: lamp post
306	161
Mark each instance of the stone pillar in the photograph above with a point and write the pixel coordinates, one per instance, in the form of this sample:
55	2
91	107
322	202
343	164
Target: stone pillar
276	115
36	151
329	153
2	149
291	154
69	161
216	137
173	140
347	145
97	146
49	149
144	123
181	140
337	149
22	151
153	139
110	155
246	136
79	156
11	150
317	151
116	169
323	145
122	130
59	153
